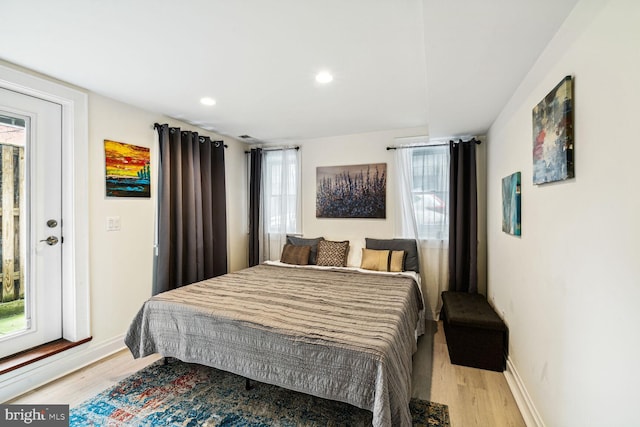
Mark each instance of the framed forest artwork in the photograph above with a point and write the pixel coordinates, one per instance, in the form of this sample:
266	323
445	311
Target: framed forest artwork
354	191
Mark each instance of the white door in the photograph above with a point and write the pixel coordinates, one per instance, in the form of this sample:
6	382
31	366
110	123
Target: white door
31	209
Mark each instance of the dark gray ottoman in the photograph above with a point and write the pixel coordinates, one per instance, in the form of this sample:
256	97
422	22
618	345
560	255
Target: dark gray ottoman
476	336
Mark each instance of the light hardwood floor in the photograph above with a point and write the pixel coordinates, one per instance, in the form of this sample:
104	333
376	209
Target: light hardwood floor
475	397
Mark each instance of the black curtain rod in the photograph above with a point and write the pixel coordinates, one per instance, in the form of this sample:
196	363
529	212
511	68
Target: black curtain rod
158	125
431	145
416	146
276	149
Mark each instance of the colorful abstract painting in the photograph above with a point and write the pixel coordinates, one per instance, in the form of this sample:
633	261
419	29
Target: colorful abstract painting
511	204
355	191
553	135
127	170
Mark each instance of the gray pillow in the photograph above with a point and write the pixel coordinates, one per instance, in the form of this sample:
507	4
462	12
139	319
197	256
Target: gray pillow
300	241
408	245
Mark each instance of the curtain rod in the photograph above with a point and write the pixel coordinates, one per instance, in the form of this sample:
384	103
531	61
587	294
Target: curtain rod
295	147
158	125
431	145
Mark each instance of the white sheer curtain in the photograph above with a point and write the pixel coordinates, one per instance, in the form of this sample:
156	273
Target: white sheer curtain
423	196
280	200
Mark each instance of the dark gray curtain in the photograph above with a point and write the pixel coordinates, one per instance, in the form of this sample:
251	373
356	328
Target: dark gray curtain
254	206
192	219
463	217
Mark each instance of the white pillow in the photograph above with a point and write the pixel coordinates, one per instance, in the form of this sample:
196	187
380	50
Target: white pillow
354	259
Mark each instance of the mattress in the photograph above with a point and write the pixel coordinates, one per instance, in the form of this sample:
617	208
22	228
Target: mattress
337	333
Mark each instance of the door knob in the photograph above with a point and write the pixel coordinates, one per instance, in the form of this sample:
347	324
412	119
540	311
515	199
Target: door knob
51	240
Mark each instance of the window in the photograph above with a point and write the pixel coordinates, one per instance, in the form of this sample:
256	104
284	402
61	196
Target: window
281	178
430	191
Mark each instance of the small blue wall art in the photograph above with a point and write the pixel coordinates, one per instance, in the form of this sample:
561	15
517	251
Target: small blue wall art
511	204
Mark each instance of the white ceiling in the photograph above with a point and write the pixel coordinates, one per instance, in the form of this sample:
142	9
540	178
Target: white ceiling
450	65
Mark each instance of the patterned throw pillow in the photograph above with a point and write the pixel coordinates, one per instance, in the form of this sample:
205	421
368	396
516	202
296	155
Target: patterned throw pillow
297	255
332	254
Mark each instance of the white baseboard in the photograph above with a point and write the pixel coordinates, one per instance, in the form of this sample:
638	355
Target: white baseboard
528	410
20	381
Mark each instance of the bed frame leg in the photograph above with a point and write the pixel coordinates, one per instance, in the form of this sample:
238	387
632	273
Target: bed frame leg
248	385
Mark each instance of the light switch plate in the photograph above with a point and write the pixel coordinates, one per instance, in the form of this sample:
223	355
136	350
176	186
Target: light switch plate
113	223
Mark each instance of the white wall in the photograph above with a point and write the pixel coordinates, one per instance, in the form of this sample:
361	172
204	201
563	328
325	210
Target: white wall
569	288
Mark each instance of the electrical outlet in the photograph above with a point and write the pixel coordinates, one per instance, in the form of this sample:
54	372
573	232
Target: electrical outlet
113	223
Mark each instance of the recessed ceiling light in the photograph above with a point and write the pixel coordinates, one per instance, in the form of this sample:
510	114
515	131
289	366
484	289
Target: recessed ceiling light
324	77
207	101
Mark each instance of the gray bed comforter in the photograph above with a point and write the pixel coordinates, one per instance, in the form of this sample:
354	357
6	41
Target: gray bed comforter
339	335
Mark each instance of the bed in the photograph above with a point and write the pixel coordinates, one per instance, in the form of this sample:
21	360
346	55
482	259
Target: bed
336	333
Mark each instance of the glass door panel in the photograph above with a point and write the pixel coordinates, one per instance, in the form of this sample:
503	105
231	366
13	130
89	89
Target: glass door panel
30	222
13	317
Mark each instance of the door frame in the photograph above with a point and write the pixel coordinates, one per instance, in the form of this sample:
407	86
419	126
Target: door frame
75	195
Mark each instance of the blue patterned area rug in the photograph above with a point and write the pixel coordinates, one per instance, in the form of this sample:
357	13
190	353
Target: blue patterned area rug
182	394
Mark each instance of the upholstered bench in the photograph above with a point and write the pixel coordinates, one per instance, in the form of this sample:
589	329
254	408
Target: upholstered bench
476	336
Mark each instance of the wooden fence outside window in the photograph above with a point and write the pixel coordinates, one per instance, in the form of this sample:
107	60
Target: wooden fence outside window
12	223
